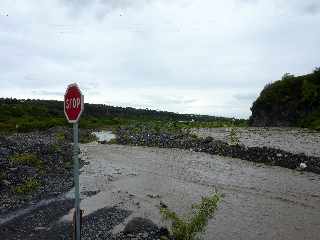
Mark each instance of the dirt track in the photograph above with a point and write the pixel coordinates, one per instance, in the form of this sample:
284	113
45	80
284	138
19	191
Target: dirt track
261	202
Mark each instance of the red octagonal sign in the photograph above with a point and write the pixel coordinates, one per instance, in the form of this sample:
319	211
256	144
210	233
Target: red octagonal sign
73	103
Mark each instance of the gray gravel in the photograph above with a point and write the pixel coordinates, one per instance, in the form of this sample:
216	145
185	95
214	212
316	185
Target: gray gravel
44	223
54	177
294	140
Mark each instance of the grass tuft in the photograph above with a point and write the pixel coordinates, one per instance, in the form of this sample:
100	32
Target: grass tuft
29	186
60	136
234	138
28	159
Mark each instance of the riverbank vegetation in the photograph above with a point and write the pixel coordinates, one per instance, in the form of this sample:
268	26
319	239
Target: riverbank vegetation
18	115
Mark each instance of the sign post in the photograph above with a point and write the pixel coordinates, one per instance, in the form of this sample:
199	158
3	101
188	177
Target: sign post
73	108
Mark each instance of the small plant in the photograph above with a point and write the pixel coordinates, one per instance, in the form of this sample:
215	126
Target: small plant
68	165
188	228
28	159
60	136
27	187
234	139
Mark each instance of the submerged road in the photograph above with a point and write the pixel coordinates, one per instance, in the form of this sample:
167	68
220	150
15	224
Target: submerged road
260	202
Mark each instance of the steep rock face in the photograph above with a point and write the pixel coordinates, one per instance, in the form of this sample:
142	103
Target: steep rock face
292	101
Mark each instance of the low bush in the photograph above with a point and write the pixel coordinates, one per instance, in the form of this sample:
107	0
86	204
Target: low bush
28	159
29	186
234	138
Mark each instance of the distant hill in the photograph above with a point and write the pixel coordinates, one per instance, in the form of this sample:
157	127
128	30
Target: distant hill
27	114
291	101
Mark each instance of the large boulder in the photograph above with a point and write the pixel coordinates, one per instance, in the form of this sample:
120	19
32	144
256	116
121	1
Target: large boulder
139	225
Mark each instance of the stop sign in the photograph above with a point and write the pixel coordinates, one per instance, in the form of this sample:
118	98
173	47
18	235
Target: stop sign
73	103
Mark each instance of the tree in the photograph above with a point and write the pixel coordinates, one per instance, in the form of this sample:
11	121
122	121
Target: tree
287	76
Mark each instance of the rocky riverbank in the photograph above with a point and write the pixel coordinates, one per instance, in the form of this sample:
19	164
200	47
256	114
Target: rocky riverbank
267	155
36	173
294	140
34	166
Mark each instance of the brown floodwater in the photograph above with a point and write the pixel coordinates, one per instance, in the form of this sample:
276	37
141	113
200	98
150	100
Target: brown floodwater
260	202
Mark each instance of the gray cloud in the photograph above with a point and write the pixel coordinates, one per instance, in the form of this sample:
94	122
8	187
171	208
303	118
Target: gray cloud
245	96
312	8
47	93
154	99
101	8
183	56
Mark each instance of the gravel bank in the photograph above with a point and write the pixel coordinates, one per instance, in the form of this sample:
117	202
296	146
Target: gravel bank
34	166
293	140
268	155
38	214
45	223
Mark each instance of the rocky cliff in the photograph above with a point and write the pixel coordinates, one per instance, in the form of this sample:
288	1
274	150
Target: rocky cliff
291	101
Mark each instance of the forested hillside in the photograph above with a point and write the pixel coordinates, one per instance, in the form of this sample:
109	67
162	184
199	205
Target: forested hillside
24	115
291	101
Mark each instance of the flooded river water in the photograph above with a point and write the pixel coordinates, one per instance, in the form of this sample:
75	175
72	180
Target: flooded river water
260	202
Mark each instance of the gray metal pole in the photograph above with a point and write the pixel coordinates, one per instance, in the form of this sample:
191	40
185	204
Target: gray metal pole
76	177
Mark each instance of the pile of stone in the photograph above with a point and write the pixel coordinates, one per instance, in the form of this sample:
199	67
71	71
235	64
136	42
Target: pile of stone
33	166
271	156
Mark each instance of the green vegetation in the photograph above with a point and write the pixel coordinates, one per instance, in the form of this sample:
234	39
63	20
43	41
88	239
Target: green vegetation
29	186
27	115
234	138
28	159
190	227
291	101
60	136
68	165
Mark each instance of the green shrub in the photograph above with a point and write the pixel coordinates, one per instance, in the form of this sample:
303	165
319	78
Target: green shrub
60	136
234	139
188	228
28	159
68	165
29	186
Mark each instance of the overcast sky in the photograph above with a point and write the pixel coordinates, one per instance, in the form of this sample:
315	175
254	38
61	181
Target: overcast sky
189	56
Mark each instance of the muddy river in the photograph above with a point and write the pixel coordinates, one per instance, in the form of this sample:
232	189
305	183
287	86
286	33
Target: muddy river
260	202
